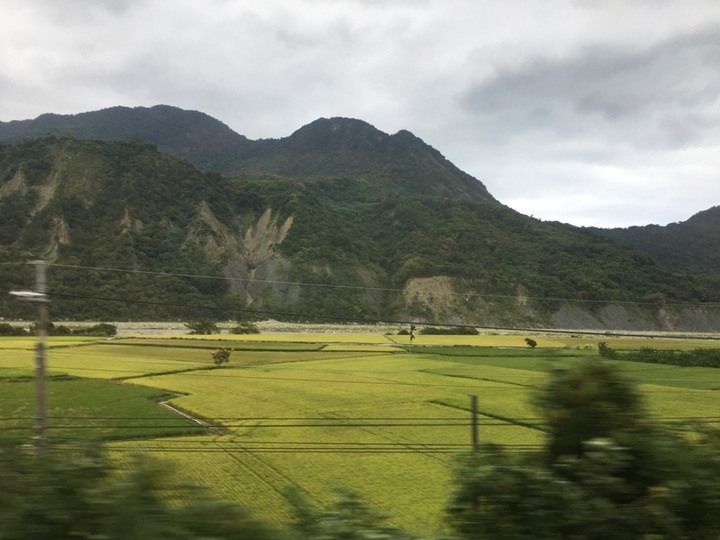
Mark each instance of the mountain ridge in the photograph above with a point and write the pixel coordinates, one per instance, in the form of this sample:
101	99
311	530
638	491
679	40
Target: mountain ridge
337	220
327	147
692	245
192	135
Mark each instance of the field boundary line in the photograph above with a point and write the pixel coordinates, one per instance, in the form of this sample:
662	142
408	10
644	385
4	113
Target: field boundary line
230	345
509	420
160	373
474	378
218	430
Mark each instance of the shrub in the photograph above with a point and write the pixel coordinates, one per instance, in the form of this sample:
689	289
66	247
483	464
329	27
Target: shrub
58	330
202	327
101	329
245	328
221	356
7	329
605	350
695	358
450	331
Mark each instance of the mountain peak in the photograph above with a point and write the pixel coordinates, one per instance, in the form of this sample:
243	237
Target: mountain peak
338	123
335	147
337	132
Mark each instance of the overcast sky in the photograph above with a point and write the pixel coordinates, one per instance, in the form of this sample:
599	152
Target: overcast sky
591	112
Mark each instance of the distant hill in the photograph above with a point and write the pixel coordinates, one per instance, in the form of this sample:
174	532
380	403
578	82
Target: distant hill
192	135
690	246
337	242
336	147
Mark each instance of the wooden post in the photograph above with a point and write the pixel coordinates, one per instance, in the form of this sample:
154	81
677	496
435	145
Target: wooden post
473	422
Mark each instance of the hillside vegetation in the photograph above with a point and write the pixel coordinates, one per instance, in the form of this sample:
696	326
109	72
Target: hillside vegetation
339	220
692	245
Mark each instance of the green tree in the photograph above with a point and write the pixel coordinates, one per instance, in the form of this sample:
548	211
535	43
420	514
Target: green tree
588	401
607	472
245	327
531	342
221	356
100	329
202	327
7	329
605	350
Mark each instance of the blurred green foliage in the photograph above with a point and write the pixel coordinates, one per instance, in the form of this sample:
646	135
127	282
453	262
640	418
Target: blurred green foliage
78	492
606	472
695	358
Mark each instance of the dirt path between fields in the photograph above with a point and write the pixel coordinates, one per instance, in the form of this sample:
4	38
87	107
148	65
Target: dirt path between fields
217	430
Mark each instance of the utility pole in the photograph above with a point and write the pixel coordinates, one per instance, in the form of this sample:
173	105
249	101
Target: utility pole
474	422
40	368
40	297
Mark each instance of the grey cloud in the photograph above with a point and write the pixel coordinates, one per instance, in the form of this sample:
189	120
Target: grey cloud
660	91
559	119
80	12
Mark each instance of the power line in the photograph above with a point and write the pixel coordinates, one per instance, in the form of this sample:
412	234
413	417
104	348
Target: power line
194	372
225	278
366	320
305	316
491	420
251	312
360	288
239	449
275	418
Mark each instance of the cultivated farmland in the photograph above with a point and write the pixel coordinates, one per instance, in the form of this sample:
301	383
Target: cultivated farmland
317	412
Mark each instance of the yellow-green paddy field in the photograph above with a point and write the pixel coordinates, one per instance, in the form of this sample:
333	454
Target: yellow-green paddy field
367	412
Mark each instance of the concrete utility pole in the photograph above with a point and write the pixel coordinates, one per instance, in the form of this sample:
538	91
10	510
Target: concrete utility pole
40	297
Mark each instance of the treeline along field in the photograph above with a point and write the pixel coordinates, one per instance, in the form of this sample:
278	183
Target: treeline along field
299	412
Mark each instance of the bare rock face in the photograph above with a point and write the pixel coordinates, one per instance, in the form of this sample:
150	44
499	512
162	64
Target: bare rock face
697	319
246	249
438	298
130	224
619	316
436	292
574	317
44	191
16	184
59	236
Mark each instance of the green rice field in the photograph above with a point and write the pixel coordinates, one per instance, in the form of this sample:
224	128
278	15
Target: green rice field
317	412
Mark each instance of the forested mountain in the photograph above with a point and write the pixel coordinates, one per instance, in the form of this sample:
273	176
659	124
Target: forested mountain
344	148
337	220
338	147
692	245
